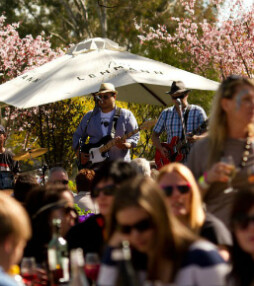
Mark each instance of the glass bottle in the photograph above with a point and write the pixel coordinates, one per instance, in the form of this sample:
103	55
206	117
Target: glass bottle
127	275
58	260
78	277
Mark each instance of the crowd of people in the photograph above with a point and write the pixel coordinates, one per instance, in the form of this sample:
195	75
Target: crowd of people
188	223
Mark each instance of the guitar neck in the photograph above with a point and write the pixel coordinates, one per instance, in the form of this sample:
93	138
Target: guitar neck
112	143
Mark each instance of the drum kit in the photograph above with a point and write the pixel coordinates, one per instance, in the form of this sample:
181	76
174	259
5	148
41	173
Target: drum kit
30	154
7	179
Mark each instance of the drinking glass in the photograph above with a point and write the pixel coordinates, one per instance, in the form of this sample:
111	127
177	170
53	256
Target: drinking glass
229	161
28	270
92	266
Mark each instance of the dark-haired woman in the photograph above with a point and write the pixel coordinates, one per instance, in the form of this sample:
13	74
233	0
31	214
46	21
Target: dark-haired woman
43	204
90	235
242	223
174	254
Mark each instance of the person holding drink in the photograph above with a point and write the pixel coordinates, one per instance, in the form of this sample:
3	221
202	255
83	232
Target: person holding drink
220	162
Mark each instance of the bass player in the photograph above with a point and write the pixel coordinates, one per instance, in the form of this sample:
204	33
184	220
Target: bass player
177	126
106	121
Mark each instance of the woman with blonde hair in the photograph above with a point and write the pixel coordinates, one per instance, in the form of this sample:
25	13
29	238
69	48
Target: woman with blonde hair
221	161
15	230
174	254
182	196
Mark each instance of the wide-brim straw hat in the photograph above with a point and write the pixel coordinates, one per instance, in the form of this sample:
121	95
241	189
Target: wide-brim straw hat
107	87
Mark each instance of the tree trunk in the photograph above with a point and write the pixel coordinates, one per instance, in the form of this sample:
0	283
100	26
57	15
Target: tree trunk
102	14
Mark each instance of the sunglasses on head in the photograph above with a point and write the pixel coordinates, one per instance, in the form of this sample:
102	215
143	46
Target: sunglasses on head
107	191
244	221
141	226
183	189
228	82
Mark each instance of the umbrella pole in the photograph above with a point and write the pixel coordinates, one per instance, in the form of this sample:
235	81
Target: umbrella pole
153	94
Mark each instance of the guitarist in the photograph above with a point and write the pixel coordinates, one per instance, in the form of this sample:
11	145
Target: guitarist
107	119
170	118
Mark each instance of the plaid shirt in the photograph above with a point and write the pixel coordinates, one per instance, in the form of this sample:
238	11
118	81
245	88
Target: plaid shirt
170	121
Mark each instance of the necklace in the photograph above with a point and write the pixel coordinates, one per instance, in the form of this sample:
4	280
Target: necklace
246	152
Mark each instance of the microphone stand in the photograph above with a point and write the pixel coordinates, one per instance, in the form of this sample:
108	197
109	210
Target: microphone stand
182	120
44	169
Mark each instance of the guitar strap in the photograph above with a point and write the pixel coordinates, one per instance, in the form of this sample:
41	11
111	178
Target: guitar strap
114	124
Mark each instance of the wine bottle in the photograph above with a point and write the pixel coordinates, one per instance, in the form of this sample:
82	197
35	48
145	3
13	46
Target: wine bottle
78	277
58	260
127	275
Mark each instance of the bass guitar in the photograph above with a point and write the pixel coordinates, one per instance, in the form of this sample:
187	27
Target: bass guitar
97	152
178	148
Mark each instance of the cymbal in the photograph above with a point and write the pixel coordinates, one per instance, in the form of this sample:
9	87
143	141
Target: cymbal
29	154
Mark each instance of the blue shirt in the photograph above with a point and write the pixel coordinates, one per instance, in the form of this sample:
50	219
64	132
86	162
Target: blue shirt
125	124
170	121
6	280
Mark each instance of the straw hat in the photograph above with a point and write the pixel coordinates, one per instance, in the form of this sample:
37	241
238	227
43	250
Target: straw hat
107	87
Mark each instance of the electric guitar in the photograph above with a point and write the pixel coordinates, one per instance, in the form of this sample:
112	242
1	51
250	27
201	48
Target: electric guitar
178	148
97	152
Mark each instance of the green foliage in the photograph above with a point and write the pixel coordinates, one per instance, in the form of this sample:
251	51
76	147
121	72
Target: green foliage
82	211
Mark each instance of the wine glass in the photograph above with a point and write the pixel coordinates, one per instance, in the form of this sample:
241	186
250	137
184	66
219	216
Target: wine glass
229	161
28	270
92	266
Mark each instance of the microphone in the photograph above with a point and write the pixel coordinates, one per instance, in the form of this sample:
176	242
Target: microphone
97	98
178	101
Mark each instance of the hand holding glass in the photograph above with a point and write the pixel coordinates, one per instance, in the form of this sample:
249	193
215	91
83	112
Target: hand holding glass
229	161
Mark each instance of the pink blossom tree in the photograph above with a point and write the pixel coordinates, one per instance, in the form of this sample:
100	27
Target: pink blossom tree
46	123
224	46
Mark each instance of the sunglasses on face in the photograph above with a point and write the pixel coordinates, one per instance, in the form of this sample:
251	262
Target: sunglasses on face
105	96
181	96
140	226
107	191
2	132
68	210
244	221
183	189
64	182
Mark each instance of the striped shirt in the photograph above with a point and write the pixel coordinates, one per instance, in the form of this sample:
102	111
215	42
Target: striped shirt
170	121
201	266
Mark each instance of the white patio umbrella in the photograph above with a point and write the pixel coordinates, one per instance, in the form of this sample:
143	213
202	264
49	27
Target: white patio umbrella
84	67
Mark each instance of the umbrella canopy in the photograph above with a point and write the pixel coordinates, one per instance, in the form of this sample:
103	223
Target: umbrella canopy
84	67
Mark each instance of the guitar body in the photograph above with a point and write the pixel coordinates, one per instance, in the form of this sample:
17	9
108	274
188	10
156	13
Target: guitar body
91	154
174	155
177	149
